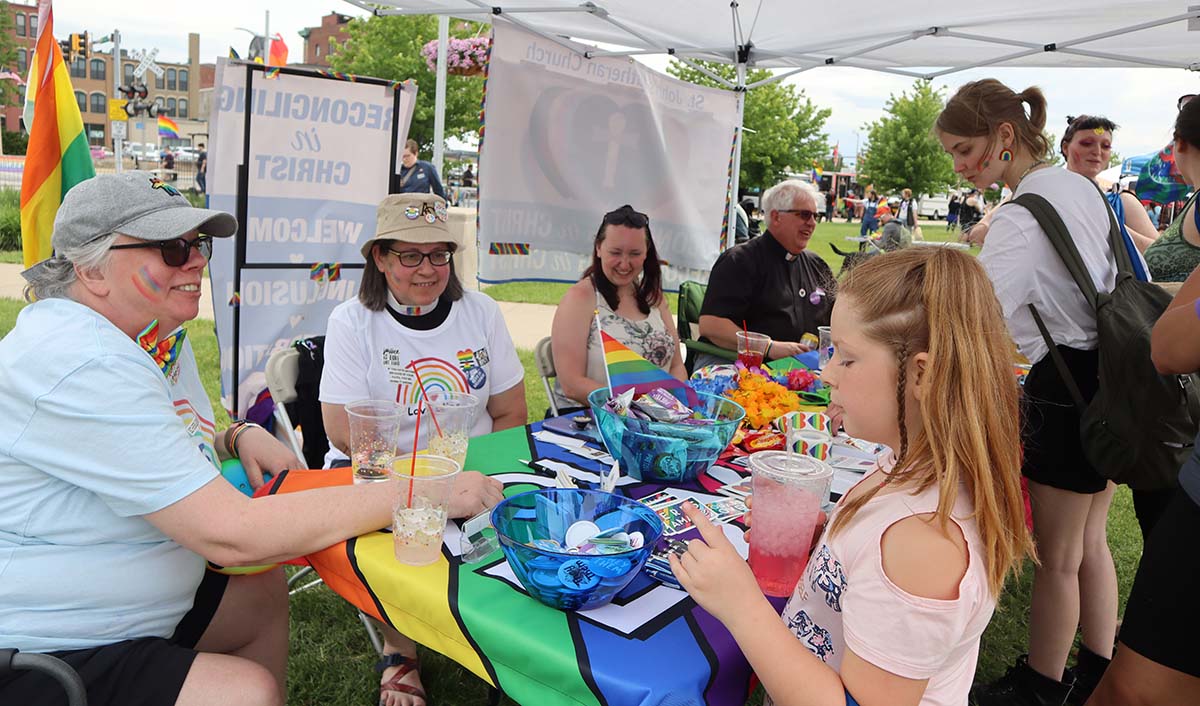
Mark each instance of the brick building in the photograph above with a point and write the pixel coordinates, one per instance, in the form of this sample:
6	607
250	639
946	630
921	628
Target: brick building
23	21
320	42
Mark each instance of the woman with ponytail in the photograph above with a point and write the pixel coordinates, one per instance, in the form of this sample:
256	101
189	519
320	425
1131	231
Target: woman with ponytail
995	135
904	580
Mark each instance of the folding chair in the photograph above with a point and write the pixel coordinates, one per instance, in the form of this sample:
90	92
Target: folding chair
543	358
691	298
12	660
283	369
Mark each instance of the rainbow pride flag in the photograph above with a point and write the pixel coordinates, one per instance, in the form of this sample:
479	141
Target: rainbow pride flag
58	156
629	371
167	127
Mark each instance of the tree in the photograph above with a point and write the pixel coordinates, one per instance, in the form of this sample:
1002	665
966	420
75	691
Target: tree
901	149
10	93
783	125
390	48
1055	157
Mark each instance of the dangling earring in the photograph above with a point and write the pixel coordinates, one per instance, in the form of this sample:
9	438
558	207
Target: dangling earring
1006	155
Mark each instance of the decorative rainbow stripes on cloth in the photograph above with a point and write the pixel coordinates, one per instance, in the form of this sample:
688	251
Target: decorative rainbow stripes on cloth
167	127
58	156
508	249
629	371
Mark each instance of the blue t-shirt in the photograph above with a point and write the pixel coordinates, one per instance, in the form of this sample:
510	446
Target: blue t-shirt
421	178
91	442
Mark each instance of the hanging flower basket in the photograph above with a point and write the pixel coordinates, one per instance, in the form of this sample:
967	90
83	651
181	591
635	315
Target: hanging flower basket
464	57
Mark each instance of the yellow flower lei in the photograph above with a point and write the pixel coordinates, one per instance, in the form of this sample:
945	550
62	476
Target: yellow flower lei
763	399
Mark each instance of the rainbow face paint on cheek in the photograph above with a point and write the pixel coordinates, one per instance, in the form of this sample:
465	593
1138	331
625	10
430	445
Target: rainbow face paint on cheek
146	285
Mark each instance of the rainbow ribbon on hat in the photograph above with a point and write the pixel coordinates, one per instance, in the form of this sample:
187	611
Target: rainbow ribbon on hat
164	352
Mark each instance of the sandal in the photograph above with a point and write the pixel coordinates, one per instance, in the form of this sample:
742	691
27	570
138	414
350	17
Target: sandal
406	665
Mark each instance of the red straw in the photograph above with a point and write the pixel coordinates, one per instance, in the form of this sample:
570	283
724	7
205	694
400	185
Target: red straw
412	466
744	329
424	396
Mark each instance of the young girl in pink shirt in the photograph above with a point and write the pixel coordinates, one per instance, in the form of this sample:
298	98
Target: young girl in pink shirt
904	579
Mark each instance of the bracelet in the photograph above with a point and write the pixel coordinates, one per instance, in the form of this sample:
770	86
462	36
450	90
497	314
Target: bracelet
767	353
233	434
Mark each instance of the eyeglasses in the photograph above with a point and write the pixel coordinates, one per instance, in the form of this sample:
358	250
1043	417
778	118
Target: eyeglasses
412	258
1184	100
626	216
803	213
176	251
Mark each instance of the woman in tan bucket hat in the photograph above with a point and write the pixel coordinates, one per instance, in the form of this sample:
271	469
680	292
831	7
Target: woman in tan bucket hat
413	316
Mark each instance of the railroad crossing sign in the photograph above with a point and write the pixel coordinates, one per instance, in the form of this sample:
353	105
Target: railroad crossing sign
146	63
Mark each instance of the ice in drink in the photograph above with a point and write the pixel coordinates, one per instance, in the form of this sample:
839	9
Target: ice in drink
788	492
417	533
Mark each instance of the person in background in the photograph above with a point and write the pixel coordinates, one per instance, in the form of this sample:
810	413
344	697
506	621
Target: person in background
771	285
468	177
1176	253
952	209
418	176
907	214
830	202
1157	662
870	222
412	314
202	169
993	139
621	292
1154	213
905	577
892	237
1087	148
752	218
848	202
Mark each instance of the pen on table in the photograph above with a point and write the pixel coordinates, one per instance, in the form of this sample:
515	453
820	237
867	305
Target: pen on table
537	468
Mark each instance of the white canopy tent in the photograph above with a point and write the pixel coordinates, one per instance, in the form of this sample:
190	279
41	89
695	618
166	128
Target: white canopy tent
914	38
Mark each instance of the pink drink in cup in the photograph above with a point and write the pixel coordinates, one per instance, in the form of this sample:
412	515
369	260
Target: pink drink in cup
788	491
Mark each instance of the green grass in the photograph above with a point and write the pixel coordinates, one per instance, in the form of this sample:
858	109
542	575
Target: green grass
11	257
330	661
827	234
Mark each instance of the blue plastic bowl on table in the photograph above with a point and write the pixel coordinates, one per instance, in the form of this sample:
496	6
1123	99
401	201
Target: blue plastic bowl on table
564	580
665	452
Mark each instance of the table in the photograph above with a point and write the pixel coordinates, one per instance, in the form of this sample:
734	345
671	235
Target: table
652	645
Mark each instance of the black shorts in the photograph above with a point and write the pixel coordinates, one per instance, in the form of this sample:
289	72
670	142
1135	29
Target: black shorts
1053	452
147	671
1162	618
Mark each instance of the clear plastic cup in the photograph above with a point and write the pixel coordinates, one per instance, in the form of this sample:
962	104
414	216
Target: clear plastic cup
788	491
825	346
752	348
374	428
454	413
424	488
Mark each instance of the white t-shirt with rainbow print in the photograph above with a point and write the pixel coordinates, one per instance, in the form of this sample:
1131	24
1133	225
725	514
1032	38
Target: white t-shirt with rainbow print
367	356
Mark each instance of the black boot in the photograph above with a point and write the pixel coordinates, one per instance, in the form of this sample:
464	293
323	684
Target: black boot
1023	686
1089	668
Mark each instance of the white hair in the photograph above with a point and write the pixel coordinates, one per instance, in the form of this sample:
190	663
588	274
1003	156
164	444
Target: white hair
782	197
54	277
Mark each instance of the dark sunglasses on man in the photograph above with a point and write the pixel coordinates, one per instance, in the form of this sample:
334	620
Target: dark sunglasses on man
802	213
176	251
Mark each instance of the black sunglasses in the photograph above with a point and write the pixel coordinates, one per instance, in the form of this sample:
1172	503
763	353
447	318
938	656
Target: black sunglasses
803	213
626	216
176	251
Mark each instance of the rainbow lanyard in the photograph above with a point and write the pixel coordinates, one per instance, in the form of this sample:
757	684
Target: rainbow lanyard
407	310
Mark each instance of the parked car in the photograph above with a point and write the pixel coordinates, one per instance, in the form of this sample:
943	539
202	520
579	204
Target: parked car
99	152
186	155
933	206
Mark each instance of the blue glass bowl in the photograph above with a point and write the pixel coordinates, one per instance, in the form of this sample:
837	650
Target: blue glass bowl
560	579
663	452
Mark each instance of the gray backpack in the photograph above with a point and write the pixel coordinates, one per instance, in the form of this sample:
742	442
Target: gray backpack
1140	427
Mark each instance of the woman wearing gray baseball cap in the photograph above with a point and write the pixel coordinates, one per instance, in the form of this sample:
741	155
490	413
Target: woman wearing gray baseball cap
412	317
111	501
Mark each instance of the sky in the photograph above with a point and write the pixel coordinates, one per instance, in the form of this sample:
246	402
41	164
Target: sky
1140	101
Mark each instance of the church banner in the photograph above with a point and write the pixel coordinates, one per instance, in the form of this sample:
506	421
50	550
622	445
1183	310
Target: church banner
568	139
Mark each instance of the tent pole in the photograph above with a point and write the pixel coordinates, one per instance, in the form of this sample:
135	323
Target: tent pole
439	99
731	229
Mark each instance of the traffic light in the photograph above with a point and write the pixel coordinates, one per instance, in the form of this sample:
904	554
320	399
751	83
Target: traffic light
136	94
81	45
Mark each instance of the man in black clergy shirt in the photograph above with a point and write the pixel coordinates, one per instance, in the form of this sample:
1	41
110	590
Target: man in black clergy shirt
771	282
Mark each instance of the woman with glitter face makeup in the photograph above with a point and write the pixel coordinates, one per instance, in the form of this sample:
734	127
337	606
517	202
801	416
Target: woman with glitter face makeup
995	135
1087	147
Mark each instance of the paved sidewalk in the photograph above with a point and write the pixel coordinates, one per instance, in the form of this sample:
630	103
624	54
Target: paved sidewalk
528	323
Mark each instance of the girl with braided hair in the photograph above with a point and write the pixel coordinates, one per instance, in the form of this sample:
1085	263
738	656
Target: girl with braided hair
905	578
